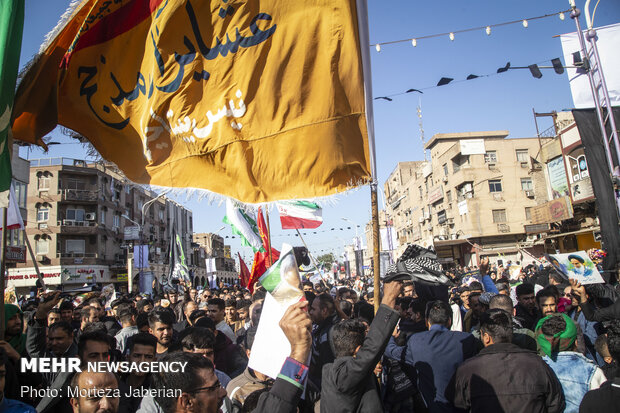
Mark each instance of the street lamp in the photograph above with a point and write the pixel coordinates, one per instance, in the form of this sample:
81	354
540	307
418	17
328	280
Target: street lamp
356	233
145	208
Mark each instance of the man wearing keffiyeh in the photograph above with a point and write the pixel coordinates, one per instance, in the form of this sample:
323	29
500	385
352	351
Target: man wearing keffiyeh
557	337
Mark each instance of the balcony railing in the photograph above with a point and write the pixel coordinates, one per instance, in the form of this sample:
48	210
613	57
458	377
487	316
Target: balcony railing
78	195
77	255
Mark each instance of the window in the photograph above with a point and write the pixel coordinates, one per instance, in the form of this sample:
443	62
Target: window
499	215
522	155
21	190
43	182
15	237
102	216
74	214
495	185
75	246
73	183
526	184
116	221
426	184
445	169
160	214
128	189
421	193
43	214
42	246
449	196
490	157
528	213
140	203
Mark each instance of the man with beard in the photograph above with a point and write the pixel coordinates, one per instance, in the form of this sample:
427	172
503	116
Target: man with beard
579	268
526	310
546	301
160	325
15	339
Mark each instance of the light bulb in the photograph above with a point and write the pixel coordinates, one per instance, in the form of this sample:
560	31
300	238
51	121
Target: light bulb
452	36
525	23
562	16
414	42
378	47
488	30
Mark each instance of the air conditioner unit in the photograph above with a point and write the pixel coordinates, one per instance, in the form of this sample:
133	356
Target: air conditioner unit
491	166
445	179
41	257
430	228
525	164
532	238
498	196
421	219
529	194
68	222
450	221
91	216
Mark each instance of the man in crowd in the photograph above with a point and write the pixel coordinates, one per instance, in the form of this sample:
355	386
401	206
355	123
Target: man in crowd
527	385
349	384
160	325
324	316
546	301
607	397
9	405
521	337
127	316
557	336
90	398
216	311
526	309
435	354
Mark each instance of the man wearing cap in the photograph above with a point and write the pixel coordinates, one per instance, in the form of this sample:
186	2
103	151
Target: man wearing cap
556	335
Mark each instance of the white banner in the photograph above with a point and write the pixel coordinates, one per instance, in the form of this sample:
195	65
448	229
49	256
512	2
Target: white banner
463	207
608	44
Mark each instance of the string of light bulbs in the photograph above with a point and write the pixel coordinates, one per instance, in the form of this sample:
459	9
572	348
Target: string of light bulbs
487	29
446	80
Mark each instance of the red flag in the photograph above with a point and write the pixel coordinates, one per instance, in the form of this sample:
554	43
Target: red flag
244	273
261	259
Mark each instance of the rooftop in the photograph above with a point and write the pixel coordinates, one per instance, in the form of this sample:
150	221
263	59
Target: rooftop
496	134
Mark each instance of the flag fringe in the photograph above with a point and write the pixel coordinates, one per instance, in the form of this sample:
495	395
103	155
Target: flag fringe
73	8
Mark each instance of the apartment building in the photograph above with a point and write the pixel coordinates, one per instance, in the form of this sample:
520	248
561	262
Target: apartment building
214	247
77	214
16	251
472	199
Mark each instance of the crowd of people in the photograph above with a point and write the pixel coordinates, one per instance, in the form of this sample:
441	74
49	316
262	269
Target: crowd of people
488	342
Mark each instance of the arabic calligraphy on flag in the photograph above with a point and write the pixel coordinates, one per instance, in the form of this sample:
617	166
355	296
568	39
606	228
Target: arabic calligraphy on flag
258	101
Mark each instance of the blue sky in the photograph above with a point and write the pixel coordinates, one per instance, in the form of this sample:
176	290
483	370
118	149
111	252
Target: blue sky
496	102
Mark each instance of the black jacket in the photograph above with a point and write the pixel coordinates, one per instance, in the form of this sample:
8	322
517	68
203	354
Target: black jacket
349	384
322	352
602	399
526	319
506	378
602	314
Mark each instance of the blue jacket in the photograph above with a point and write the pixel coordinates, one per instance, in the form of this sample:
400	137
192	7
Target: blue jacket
576	374
435	354
15	406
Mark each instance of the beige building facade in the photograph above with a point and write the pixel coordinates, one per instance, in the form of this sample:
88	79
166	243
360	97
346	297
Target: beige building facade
472	199
77	214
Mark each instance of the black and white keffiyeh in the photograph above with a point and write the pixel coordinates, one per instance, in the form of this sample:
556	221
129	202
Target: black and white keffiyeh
417	264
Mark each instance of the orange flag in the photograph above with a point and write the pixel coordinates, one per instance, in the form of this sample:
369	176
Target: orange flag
265	98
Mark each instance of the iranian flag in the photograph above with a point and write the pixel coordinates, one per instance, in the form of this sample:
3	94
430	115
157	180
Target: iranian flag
300	214
243	225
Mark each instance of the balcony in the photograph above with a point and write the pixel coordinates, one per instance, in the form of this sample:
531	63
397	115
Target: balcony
72	258
79	195
69	226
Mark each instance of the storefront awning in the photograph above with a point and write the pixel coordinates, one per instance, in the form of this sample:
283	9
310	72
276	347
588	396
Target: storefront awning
581	231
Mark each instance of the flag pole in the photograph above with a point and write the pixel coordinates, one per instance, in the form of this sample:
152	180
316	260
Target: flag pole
34	263
314	261
2	270
269	237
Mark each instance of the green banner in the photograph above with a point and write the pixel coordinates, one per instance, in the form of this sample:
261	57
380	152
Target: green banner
11	30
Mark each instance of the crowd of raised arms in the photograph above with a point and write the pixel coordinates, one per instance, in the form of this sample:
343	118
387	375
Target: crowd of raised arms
489	340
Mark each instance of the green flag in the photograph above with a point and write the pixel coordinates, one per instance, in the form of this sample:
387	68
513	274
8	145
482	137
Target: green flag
11	28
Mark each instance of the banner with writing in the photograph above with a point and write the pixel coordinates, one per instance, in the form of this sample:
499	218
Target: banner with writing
258	101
